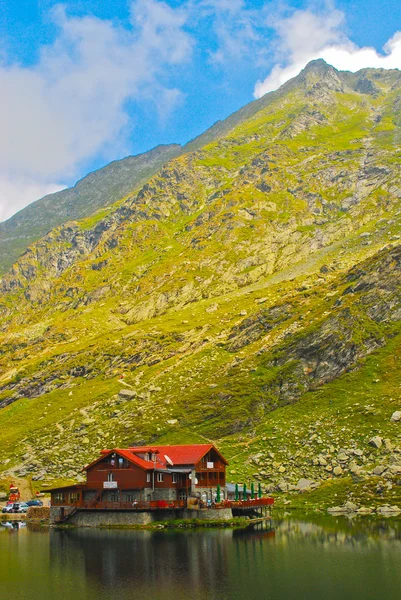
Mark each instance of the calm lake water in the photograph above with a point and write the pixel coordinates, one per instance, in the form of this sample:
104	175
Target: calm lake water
325	559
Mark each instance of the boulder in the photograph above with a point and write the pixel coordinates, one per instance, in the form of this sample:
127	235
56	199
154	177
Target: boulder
336	510
388	510
337	471
364	510
127	394
39	476
379	470
388	444
283	486
305	484
396	416
351	506
376	441
346	508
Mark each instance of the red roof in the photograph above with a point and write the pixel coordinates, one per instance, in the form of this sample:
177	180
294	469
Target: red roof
180	455
183	455
144	464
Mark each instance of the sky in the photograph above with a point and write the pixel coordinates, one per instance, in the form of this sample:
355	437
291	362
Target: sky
84	82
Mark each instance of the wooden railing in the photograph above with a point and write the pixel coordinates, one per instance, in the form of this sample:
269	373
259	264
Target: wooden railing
152	505
165	504
247	503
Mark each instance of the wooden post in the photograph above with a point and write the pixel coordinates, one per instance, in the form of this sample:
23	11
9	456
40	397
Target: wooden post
193	478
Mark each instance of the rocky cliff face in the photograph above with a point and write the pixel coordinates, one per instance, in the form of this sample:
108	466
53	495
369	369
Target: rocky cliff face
245	294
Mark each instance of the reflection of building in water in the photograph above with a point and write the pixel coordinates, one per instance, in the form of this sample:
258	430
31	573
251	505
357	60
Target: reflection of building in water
121	559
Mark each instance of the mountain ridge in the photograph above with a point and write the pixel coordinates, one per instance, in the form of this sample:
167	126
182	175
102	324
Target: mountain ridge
241	281
14	244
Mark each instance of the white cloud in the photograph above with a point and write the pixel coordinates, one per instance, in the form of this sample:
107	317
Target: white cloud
306	36
71	105
15	195
238	29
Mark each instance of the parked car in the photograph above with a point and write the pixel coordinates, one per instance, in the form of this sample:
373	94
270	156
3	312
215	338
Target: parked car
20	507
8	508
34	503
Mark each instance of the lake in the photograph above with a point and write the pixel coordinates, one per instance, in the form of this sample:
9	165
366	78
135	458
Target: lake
327	558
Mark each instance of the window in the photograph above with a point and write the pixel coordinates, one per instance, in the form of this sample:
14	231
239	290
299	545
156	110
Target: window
74	497
110	477
153	457
175	477
147	456
160	477
129	497
115	497
148	477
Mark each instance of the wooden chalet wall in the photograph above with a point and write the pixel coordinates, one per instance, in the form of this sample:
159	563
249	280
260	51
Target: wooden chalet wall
211	476
127	475
130	476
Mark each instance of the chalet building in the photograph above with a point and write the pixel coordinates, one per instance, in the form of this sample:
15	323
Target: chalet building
149	473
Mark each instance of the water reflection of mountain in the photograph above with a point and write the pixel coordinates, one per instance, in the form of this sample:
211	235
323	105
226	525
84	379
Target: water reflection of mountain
339	531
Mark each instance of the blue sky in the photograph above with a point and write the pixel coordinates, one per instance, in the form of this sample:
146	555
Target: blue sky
86	82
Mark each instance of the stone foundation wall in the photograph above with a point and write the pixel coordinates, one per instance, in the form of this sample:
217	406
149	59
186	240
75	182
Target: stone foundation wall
109	518
208	514
103	518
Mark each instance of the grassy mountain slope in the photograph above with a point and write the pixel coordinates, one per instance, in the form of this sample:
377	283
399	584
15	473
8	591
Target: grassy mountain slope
96	191
247	294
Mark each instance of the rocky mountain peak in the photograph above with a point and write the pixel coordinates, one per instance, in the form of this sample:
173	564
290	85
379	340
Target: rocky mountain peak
319	75
318	66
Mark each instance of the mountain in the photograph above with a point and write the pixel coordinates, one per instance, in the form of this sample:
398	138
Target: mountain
247	294
95	192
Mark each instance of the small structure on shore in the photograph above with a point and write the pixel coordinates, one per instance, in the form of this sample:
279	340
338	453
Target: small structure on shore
148	479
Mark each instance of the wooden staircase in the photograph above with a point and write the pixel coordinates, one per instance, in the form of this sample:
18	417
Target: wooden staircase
66	515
